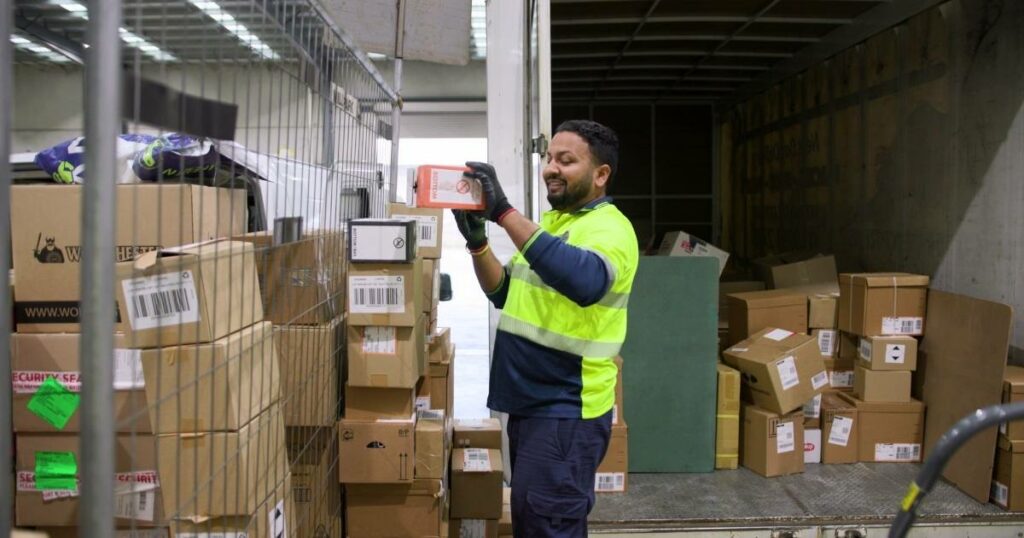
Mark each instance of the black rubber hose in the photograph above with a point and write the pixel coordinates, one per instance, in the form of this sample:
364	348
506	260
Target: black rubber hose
951	441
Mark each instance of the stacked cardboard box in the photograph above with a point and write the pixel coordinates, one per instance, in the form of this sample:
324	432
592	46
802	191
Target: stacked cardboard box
1008	475
212	384
45	361
613	471
476	477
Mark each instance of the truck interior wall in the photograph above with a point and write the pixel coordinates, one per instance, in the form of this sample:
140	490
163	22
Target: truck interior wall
664	181
905	152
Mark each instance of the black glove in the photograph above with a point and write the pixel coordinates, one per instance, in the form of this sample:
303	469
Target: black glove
473	227
495	202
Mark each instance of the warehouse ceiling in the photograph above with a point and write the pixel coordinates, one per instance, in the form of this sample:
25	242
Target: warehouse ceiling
700	50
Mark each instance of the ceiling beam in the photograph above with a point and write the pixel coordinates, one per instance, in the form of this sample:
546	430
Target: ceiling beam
870	23
625	47
573	21
694	53
694	37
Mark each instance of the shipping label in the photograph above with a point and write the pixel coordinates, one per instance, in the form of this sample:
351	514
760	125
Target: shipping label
827	342
1000	494
128	369
374	242
841	378
476	460
615	414
812	409
898	452
473	528
1004	428
778	335
903	325
785	440
277	521
787	373
819	380
605	482
842	427
376	294
161	300
895	353
379	340
422	403
864	350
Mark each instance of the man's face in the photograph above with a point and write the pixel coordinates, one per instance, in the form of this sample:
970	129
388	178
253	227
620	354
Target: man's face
571	176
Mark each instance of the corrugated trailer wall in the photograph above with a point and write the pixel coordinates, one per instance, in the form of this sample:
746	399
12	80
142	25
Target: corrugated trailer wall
905	152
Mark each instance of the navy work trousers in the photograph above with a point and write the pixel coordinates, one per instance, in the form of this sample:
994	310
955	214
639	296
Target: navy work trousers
553	465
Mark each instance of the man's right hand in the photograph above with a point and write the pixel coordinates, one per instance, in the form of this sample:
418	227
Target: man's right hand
473	227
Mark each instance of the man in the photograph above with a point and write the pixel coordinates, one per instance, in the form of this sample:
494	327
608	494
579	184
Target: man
563	298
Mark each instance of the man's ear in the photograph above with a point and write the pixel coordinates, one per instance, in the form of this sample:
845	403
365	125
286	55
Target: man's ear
601	176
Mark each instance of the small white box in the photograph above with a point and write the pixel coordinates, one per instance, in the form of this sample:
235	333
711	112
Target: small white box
812	445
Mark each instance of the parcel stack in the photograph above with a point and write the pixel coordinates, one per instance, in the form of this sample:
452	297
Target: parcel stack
1008	475
392	456
613	471
302	284
195	317
477	474
179	314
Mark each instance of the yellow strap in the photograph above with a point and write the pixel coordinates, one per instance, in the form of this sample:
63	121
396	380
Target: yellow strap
727	416
913	492
726	455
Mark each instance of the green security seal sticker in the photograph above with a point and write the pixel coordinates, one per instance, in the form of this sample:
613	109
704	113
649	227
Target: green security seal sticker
56	471
54	403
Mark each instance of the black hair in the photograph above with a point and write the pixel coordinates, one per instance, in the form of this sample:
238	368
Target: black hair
602	140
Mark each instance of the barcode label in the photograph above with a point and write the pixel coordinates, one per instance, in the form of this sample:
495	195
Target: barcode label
899	452
426	229
1000	494
610	482
785	438
277	521
895	353
137	506
376	294
787	373
615	414
819	380
903	325
476	460
379	340
827	342
778	335
865	349
160	300
812	409
128	369
430	414
473	528
842	427
841	379
422	403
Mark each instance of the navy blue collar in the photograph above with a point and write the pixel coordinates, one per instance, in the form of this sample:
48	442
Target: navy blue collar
595	203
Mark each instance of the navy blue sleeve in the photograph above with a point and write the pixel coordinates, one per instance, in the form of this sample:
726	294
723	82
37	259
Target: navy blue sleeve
579	274
498	296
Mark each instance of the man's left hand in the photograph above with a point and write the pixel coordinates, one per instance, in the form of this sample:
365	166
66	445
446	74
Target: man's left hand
495	201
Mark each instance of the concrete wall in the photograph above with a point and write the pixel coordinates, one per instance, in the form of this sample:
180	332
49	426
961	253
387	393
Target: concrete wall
905	153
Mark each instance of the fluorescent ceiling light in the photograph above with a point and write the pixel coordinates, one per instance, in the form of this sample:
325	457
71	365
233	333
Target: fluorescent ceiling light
228	22
39	50
130	38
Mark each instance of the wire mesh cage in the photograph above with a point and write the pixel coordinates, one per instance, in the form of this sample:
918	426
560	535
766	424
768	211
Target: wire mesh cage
249	132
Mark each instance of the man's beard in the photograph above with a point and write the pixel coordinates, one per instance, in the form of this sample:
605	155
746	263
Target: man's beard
572	195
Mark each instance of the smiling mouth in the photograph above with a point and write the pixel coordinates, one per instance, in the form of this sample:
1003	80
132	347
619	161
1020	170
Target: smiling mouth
556	185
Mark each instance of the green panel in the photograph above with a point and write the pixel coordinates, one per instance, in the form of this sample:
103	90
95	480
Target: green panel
669	375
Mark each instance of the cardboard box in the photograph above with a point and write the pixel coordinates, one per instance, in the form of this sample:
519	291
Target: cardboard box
377	452
828	342
475	528
309	358
752	311
781	370
881	386
888	353
476	481
888	431
617	409
430	228
680	243
849	347
366	403
442	385
763	265
772	444
727	288
505	523
46	243
477	433
385	295
839	425
423	401
840	374
1008	476
386	357
223	473
440	186
273	518
186	295
431	439
1013	391
35	357
72	532
135	464
382	240
302	282
823	311
872	304
220	386
416	509
431	286
812	445
440	342
816	270
727	431
315	492
613	472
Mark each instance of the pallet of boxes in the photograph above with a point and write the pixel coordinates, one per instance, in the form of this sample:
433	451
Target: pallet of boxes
1008	474
194	366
